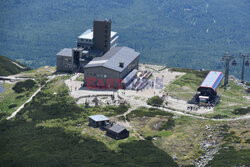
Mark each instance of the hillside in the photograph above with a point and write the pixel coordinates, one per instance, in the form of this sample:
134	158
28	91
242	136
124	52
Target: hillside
191	34
10	67
53	129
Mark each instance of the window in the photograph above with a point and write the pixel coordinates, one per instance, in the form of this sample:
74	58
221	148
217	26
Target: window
105	76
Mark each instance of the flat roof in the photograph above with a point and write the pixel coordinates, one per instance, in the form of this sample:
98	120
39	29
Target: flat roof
88	34
113	57
99	118
65	52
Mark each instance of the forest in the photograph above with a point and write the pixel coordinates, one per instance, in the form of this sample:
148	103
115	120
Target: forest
188	34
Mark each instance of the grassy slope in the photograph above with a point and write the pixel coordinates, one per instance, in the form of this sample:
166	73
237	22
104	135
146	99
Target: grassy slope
10	97
52	131
184	138
8	68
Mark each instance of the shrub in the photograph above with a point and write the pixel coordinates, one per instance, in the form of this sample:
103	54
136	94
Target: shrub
24	86
121	109
247	141
20	96
42	80
155	101
231	157
219	116
241	111
167	125
12	106
151	112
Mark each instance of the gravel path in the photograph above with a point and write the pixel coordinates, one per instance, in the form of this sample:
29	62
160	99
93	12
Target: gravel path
128	124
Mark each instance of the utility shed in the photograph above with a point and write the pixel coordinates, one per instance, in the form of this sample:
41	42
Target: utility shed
64	60
98	121
117	132
211	83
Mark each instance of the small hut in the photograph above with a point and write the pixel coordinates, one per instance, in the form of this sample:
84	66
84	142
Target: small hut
117	132
98	121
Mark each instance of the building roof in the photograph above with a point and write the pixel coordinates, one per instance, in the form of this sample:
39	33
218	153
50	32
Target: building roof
113	57
212	80
88	34
103	19
65	52
116	128
99	118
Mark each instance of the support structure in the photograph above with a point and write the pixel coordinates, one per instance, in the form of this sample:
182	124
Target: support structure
244	57
228	58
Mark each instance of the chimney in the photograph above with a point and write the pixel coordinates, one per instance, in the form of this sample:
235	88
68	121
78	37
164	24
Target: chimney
121	64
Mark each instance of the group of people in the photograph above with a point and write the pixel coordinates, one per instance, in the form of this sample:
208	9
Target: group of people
195	108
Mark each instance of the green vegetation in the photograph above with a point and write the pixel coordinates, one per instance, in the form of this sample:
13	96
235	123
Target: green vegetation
197	73
183	139
241	111
53	131
219	116
186	86
152	122
148	112
31	145
23	86
233	100
41	73
80	78
230	157
9	68
190	34
10	100
116	110
155	101
229	136
168	125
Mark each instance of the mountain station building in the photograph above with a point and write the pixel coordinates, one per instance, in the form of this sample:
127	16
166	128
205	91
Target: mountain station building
104	64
